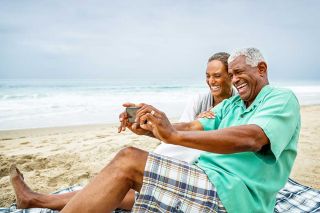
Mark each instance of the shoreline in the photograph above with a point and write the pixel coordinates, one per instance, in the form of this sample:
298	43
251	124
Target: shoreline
89	125
52	158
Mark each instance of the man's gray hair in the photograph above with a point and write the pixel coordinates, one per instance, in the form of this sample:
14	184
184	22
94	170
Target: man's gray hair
253	56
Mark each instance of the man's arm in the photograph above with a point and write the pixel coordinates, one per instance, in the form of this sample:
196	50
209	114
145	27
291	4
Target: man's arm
228	140
224	141
185	126
188	126
135	128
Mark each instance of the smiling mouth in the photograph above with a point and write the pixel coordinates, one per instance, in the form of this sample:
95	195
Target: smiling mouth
215	88
241	87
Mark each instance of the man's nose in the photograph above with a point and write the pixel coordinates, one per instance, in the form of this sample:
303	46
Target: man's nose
234	79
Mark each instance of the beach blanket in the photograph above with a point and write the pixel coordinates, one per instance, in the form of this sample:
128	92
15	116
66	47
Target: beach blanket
13	207
293	198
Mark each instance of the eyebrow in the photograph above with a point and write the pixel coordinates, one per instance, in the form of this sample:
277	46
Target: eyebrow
237	69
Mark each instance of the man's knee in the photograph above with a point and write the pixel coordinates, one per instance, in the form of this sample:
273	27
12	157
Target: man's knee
131	154
130	162
130	159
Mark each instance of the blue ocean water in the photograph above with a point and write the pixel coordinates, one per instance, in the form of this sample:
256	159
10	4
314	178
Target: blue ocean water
47	103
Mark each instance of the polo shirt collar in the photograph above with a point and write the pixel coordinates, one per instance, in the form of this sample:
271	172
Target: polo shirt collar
264	91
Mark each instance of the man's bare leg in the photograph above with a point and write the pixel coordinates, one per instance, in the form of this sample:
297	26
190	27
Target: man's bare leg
26	198
106	191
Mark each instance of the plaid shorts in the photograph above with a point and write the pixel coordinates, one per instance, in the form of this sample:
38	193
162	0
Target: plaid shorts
175	186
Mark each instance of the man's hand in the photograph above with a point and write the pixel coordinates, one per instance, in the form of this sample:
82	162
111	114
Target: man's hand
123	118
155	121
134	127
206	114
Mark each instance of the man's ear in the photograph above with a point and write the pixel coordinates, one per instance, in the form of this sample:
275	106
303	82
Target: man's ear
262	68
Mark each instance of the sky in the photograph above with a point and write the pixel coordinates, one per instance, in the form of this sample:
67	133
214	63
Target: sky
159	39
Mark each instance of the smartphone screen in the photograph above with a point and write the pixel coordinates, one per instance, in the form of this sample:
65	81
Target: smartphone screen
132	111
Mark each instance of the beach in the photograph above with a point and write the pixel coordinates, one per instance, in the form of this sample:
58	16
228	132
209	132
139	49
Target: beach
55	158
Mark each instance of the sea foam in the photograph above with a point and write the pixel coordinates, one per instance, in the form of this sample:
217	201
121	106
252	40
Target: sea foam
47	103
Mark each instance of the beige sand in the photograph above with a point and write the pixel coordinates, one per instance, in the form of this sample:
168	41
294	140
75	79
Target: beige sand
54	158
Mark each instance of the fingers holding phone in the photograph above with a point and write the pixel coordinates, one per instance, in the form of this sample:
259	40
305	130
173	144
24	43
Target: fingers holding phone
128	119
123	118
156	121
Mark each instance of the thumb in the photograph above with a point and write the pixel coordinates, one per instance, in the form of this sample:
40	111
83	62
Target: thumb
128	104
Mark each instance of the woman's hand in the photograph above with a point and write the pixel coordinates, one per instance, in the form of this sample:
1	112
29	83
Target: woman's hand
206	114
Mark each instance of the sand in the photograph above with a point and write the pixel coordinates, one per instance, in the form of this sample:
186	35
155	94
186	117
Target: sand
54	158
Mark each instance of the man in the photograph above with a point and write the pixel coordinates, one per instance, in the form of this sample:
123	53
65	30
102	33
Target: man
219	83
251	145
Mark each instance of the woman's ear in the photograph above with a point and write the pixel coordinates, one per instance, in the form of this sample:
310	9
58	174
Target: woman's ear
262	68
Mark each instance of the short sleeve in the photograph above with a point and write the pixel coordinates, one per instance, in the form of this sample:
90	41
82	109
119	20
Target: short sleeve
279	118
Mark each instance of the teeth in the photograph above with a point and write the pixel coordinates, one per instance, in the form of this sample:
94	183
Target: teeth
215	87
242	85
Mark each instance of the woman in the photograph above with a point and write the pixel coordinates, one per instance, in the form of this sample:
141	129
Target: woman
220	87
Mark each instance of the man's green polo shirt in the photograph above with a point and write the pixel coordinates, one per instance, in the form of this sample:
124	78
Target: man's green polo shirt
249	181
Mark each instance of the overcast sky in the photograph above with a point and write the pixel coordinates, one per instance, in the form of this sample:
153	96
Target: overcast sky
154	39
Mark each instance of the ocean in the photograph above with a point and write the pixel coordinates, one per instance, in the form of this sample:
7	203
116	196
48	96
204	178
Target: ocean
49	103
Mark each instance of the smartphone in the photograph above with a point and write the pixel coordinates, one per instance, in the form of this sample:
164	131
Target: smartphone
132	111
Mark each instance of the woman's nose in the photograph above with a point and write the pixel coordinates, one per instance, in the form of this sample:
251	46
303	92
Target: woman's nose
212	80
